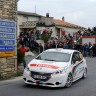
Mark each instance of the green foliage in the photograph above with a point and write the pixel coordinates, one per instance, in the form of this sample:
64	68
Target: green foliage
6	77
18	45
0	76
20	57
46	36
19	73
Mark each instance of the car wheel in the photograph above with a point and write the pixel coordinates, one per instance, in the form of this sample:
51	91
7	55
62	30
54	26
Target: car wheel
69	81
85	73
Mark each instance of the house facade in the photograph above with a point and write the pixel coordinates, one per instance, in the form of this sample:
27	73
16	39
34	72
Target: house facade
31	21
27	21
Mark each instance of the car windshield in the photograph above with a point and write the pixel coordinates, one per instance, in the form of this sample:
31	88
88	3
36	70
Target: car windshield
54	56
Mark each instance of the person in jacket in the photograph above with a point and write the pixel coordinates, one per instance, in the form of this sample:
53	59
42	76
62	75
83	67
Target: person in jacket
23	50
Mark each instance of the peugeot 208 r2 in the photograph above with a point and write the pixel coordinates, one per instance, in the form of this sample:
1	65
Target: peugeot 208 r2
56	68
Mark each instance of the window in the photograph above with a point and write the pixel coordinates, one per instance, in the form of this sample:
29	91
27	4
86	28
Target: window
76	57
54	56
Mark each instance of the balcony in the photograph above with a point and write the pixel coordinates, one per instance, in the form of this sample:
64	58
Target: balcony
28	24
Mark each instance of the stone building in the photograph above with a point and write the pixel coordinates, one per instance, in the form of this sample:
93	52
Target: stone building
8	65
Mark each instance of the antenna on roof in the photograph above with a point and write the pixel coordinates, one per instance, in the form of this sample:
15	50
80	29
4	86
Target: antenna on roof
35	8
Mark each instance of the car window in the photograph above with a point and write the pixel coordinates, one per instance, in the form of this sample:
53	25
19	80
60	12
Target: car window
54	56
76	57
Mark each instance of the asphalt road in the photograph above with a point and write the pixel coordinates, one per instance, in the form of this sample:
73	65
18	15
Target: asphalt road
83	87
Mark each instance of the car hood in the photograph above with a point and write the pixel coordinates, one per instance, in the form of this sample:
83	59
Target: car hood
46	66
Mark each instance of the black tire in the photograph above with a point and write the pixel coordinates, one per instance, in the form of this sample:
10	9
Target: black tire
84	74
69	81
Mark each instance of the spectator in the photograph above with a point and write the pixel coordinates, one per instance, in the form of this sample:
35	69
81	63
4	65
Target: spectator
90	49
40	48
23	50
86	49
94	50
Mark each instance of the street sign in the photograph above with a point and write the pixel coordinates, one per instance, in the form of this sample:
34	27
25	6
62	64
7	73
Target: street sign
7	37
7	33
7	54
6	48
7	23
7	42
7	29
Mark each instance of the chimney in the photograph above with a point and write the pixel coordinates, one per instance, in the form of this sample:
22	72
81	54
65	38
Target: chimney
63	19
47	15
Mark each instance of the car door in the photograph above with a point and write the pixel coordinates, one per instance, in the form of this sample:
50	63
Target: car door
77	65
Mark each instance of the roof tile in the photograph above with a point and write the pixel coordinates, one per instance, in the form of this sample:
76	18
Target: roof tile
65	24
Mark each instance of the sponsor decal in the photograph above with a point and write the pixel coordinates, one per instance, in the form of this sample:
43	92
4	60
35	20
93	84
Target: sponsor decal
74	68
81	69
44	65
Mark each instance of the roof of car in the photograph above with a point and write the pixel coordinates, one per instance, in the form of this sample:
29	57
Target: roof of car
70	51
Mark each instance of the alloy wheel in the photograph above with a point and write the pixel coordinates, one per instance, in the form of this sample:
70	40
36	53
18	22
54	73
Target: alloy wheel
69	81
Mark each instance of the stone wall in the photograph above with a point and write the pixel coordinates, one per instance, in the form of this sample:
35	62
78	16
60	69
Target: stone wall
8	11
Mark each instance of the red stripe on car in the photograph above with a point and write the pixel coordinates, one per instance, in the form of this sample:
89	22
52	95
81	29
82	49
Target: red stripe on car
44	65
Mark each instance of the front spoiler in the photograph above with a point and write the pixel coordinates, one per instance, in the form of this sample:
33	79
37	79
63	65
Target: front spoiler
58	80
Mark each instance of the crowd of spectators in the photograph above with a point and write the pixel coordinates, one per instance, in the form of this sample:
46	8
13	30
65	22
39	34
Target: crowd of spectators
28	39
66	42
89	32
75	42
86	49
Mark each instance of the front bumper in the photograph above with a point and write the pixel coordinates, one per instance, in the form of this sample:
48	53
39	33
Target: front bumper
58	80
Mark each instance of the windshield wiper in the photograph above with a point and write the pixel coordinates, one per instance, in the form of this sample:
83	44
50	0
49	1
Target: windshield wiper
49	60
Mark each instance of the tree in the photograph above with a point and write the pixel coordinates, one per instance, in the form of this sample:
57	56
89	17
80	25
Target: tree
46	35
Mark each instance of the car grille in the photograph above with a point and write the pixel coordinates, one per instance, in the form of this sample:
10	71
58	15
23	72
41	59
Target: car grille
40	76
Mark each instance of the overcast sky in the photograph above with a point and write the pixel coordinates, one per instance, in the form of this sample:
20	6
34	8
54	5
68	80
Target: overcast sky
80	12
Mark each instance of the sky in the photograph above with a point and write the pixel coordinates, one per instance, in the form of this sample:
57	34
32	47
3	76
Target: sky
79	12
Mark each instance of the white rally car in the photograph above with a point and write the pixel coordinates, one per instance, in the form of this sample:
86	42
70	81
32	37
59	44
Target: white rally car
56	68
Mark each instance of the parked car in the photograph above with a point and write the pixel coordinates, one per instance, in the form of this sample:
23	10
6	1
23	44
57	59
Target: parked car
56	68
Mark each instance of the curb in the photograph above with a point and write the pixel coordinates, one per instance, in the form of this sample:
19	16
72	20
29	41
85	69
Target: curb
12	79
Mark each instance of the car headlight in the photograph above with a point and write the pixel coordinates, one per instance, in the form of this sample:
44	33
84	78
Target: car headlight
61	71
